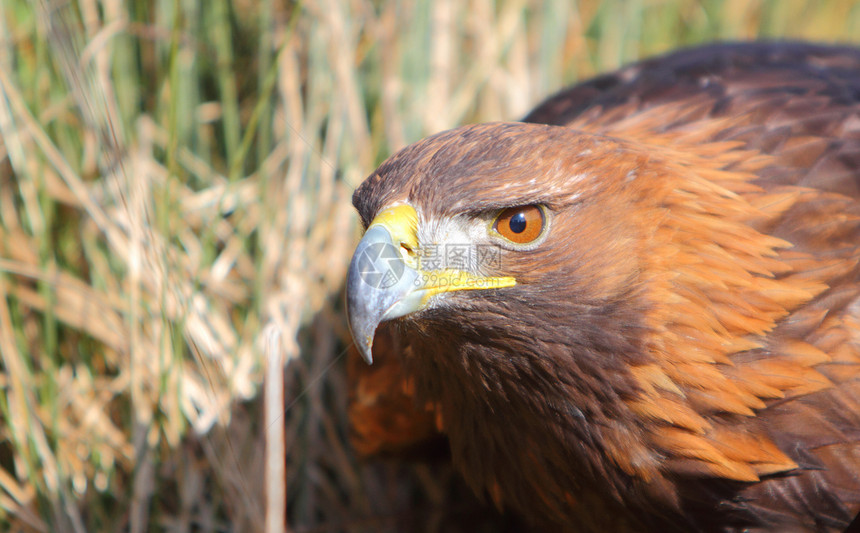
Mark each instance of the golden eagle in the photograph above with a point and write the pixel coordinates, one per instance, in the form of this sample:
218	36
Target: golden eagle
638	308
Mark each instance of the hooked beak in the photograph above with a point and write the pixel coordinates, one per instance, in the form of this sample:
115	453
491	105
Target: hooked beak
385	280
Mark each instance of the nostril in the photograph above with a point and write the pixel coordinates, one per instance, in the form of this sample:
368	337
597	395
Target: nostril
408	254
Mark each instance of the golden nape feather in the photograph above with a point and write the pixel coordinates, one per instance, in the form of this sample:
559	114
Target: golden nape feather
661	330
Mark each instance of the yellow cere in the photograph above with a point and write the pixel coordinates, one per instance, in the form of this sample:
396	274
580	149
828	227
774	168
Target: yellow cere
401	221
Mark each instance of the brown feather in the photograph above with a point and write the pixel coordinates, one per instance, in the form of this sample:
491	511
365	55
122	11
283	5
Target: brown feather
383	413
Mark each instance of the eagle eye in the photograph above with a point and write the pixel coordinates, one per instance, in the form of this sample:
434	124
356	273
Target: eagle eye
520	225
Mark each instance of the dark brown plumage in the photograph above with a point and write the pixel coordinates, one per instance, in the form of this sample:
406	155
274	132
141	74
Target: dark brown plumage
681	347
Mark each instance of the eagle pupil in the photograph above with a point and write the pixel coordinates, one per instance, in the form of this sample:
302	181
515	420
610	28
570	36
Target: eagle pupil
518	223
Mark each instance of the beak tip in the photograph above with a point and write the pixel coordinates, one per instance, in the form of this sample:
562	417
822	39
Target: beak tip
366	351
362	337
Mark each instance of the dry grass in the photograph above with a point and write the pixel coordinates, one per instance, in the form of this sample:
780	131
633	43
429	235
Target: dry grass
177	176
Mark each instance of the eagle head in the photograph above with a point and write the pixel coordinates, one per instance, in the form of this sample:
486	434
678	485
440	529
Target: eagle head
514	271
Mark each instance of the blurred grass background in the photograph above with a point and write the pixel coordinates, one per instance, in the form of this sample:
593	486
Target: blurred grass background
175	176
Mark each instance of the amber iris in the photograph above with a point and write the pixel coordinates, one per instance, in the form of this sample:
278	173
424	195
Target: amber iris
520	225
